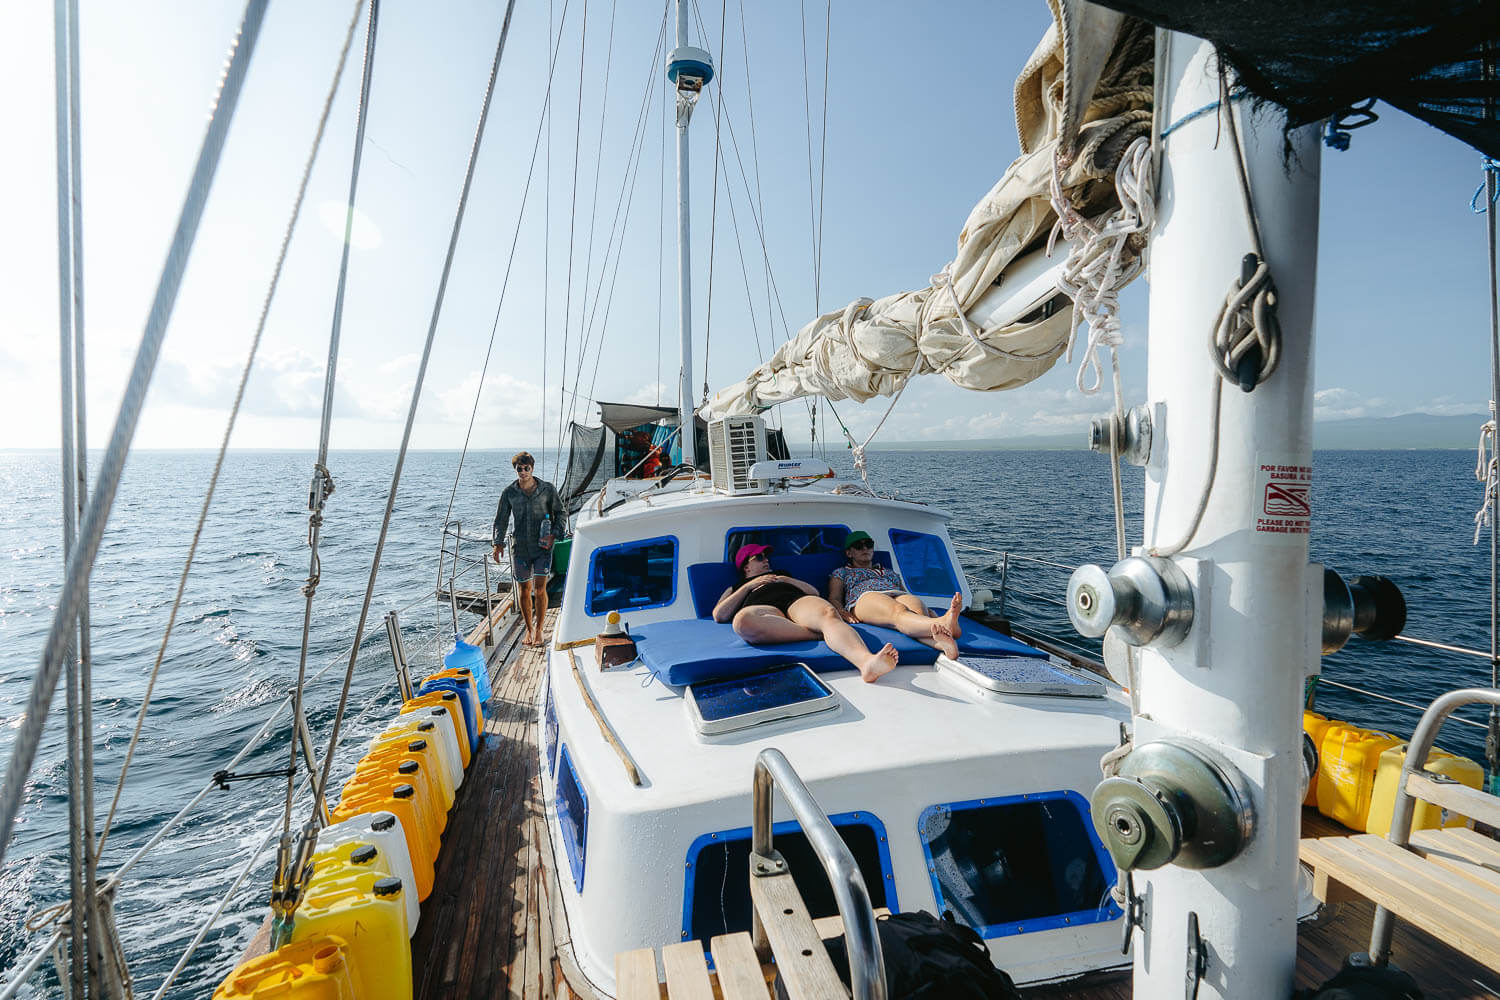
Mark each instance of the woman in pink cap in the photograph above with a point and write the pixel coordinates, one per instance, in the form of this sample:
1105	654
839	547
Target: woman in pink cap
768	608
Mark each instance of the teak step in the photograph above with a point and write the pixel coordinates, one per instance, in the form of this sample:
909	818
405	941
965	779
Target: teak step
737	973
1447	884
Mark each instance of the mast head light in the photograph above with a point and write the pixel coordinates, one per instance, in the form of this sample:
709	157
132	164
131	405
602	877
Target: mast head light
690	67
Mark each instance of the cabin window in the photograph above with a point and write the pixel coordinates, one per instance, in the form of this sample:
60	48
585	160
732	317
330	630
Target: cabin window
572	815
549	733
924	564
632	576
716	894
789	540
1018	864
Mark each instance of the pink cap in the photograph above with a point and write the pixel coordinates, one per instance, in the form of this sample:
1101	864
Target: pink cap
746	551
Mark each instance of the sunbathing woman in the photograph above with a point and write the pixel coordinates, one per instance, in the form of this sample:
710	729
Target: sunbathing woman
875	595
769	608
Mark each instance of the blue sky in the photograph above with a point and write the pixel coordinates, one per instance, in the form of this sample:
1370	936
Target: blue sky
919	126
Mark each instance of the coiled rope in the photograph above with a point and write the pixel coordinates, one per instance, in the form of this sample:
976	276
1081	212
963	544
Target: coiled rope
1097	267
1487	471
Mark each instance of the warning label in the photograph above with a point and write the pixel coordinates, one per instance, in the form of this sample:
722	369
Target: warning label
1285	496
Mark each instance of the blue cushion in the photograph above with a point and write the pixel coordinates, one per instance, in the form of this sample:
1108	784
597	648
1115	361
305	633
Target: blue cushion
708	581
684	652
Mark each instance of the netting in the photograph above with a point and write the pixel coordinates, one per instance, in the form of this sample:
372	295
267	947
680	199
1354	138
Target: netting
1317	58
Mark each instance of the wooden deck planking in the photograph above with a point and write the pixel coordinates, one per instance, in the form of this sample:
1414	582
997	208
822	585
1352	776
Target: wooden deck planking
486	929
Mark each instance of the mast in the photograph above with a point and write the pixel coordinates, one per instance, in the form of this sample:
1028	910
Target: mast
1238	687
1221	603
688	68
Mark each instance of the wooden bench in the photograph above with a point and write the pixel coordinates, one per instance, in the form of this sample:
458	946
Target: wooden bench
1446	882
737	973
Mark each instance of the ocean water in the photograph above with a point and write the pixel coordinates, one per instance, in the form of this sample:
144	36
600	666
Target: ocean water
233	656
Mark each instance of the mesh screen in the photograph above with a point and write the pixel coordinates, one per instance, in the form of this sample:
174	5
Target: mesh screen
1317	58
591	464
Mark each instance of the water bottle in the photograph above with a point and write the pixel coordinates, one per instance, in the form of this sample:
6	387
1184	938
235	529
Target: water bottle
546	533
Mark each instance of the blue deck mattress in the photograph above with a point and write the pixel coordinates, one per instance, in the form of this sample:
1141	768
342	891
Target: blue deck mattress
697	649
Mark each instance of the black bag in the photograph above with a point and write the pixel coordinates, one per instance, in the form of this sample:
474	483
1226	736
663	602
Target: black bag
930	958
1365	982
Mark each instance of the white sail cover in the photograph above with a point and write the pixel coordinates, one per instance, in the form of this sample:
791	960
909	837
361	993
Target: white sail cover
871	346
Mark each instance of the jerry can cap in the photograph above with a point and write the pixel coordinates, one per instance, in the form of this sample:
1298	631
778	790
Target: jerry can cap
415	745
408	767
388	886
382	821
423	727
363	854
403	791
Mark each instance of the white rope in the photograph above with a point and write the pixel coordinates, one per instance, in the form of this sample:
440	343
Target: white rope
943	281
859	449
1487	471
1098	266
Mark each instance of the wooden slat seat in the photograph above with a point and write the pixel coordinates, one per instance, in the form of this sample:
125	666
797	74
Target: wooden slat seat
737	973
1446	884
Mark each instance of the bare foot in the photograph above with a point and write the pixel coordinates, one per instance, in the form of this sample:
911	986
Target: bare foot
943	640
879	664
950	620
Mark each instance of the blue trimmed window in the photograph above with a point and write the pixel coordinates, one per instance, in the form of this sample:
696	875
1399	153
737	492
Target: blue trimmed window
789	540
572	816
632	576
1018	864
923	562
716	894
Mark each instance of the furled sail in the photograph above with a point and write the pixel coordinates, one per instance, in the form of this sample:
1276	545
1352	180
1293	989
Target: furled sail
1091	75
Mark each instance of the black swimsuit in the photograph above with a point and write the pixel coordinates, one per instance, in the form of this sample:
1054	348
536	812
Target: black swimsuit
777	594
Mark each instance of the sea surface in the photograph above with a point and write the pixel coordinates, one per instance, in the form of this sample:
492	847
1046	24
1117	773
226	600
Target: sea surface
234	652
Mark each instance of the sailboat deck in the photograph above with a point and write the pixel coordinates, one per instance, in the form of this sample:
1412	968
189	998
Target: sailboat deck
490	928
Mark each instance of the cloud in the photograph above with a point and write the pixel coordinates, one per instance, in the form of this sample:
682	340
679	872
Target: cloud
1343	404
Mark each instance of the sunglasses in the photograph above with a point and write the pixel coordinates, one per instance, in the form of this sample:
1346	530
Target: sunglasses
866	544
523	468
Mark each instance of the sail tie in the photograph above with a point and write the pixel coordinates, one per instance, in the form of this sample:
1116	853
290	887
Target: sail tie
1098	265
1487	471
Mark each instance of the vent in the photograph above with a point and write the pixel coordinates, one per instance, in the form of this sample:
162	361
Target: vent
734	445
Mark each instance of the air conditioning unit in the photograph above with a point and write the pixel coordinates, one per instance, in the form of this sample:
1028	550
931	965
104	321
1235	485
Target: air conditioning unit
734	445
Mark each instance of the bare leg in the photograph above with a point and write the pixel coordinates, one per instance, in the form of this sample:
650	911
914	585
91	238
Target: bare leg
907	615
820	616
539	605
523	598
762	625
950	619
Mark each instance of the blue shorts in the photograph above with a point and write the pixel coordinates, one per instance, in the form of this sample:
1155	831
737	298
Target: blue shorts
522	570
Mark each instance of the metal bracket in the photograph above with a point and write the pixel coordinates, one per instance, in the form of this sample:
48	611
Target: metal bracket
767	865
1135	914
1197	957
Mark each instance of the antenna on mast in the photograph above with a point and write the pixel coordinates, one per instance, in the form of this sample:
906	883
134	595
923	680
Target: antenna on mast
689	68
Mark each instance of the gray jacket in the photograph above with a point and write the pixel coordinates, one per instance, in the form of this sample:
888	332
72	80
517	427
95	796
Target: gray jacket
529	510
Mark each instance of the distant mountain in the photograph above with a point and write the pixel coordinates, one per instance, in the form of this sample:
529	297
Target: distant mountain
1409	430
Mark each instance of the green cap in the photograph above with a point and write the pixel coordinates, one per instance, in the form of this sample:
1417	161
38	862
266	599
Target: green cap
856	536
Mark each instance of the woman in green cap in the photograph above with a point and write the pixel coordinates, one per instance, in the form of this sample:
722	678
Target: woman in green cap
875	595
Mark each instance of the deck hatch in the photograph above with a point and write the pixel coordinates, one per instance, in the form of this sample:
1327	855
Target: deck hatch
1018	864
1022	675
772	695
716	893
572	816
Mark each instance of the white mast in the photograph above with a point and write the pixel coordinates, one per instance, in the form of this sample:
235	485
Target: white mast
1256	596
1225	610
689	68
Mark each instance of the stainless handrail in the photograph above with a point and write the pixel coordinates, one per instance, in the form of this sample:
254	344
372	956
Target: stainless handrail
866	966
1401	815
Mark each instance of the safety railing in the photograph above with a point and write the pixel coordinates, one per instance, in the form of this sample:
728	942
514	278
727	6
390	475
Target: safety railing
1464	801
773	771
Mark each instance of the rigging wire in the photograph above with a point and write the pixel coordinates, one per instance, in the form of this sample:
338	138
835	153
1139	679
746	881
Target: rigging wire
510	260
661	231
70	328
547	249
618	224
713	214
322	481
91	529
234	409
588	257
411	413
563	413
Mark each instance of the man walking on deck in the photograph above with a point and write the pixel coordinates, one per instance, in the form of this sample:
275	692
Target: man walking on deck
540	519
